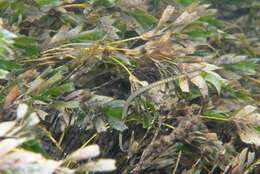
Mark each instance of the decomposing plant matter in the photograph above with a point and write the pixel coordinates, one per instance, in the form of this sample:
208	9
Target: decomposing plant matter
174	84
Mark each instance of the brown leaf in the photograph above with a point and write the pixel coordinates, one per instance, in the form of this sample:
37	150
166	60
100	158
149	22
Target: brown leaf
201	84
167	13
11	96
159	48
246	120
184	84
36	84
133	4
165	48
59	35
240	163
190	67
29	74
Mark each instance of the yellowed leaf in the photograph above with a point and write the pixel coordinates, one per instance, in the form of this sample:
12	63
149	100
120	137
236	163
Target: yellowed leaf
184	84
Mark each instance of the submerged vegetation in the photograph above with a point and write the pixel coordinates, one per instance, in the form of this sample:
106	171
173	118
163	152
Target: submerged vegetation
129	86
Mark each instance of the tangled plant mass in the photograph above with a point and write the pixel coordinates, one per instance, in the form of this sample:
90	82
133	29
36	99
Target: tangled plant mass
141	86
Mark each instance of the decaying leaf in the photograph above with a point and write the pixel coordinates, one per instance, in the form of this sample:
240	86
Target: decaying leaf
72	70
166	16
11	96
165	48
247	121
184	84
107	25
241	162
134	4
201	84
207	75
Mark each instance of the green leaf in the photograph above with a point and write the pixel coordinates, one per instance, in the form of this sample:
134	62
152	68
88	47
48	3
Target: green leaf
257	128
35	146
238	94
8	65
72	19
213	78
48	88
88	36
113	110
215	114
198	32
52	80
147	120
105	3
115	104
117	124
48	2
3	4
145	20
54	91
200	29
27	45
17	9
247	67
57	90
211	20
66	104
149	116
204	27
184	2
